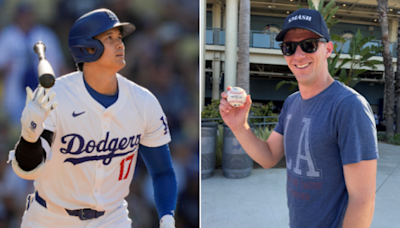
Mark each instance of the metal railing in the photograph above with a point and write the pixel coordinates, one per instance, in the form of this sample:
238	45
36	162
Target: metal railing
264	122
261	39
215	36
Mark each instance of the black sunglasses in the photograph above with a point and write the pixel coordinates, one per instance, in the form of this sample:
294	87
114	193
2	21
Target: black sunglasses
308	46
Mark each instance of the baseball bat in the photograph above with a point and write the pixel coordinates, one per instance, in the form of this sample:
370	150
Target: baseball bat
45	71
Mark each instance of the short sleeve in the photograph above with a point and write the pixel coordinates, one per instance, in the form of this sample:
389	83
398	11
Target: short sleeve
156	125
356	131
281	121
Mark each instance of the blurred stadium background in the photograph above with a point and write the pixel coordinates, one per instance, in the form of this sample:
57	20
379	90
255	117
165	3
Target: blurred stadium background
161	55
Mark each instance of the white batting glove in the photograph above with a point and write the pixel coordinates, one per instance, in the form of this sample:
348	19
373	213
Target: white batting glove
37	107
167	221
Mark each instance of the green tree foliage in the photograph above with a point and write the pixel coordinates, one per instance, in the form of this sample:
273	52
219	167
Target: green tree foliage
263	133
262	110
293	84
394	139
360	58
212	111
327	12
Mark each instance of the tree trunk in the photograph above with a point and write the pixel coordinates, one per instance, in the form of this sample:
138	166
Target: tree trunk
387	61
397	86
243	73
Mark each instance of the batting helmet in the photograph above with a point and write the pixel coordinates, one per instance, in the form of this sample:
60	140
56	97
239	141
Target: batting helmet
87	27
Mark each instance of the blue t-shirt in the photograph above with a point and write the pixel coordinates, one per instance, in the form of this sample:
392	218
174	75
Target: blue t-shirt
321	134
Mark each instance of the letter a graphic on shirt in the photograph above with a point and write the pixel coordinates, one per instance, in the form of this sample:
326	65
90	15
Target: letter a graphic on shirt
304	143
288	161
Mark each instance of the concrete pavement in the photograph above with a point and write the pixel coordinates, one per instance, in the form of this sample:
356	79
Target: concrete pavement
260	200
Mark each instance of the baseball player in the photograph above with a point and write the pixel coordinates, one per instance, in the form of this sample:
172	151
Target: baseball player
80	140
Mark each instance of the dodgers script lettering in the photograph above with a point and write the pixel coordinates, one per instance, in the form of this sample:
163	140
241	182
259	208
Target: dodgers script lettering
103	146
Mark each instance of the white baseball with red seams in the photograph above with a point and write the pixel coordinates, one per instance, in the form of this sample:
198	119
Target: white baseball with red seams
236	96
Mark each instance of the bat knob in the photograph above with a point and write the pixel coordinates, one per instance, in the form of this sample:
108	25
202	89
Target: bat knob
39	49
45	71
47	80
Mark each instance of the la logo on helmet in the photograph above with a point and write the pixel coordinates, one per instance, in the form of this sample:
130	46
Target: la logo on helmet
112	16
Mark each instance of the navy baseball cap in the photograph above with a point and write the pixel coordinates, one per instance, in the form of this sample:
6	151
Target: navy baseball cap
306	19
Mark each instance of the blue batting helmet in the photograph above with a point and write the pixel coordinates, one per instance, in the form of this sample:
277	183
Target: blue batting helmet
87	27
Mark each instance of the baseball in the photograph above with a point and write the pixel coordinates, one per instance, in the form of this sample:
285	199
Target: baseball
237	97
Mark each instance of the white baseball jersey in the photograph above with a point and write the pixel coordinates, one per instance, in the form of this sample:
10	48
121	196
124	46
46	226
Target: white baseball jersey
94	151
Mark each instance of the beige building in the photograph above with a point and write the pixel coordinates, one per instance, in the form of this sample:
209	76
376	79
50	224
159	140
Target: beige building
218	46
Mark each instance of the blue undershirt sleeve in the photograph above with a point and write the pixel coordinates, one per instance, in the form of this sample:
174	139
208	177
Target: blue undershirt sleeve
159	164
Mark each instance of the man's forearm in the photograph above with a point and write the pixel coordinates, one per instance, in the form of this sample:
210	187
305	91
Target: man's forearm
359	212
256	148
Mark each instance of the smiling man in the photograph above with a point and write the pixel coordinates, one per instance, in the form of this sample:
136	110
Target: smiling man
326	131
81	146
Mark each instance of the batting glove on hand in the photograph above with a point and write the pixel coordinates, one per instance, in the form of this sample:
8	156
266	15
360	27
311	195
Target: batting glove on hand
37	107
167	221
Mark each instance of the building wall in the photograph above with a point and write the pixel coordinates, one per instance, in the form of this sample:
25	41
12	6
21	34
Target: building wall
209	19
257	23
263	89
373	92
339	28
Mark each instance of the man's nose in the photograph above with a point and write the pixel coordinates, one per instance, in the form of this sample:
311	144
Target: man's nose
299	52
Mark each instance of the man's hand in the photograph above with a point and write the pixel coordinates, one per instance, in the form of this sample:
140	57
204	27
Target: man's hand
234	117
167	221
38	105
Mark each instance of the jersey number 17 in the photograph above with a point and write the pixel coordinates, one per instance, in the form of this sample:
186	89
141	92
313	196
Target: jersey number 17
122	165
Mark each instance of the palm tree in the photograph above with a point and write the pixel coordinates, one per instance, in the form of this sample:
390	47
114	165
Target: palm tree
360	57
243	75
327	12
397	86
383	8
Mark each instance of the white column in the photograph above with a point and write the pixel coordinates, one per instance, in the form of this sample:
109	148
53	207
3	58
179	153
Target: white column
216	65
216	15
231	33
202	40
393	25
224	19
216	80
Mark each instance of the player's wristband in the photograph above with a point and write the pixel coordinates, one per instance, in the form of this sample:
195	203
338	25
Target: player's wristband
29	155
167	221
